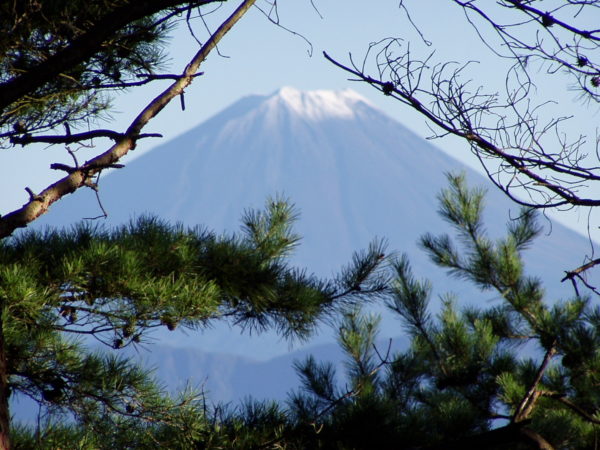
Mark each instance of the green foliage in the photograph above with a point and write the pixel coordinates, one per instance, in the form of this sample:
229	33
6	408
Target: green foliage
464	382
173	423
117	285
505	376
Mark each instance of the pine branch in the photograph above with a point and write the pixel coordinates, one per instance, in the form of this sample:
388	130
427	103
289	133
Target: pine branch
333	404
565	401
528	402
69	184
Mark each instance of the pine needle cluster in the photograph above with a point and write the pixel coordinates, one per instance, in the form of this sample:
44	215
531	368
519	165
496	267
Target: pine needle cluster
519	373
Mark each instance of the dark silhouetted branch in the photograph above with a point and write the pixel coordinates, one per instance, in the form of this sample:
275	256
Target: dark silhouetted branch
528	402
454	113
84	47
77	137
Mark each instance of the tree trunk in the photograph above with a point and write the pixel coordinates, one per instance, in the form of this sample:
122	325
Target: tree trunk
4	391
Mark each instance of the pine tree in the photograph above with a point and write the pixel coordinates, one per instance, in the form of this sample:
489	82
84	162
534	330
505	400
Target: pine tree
53	71
61	64
61	61
521	373
117	285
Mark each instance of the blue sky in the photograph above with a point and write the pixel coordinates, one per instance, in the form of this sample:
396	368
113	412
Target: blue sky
259	58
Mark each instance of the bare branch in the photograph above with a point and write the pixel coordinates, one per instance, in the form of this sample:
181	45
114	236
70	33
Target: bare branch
148	78
33	209
72	138
458	111
559	41
572	273
577	274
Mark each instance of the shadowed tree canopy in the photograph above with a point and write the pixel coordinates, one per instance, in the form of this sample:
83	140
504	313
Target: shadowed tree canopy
516	372
60	64
54	70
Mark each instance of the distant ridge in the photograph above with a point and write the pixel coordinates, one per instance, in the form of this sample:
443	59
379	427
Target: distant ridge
225	378
353	172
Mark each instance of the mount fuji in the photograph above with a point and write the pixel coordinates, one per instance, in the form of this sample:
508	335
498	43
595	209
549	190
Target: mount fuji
353	172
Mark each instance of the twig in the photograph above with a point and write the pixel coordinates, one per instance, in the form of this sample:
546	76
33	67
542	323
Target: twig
573	273
33	196
565	401
96	191
528	402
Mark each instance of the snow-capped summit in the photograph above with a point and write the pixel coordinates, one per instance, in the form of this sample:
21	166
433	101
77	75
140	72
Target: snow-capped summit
317	105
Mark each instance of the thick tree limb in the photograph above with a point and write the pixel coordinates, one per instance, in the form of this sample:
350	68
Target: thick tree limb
71	138
534	438
31	210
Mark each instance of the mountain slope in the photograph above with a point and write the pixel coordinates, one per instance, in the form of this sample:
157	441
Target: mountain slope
353	172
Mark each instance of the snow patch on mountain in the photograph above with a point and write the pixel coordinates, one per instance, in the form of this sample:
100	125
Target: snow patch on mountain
353	172
316	105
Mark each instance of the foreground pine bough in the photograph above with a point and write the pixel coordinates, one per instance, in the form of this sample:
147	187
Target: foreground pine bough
115	286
